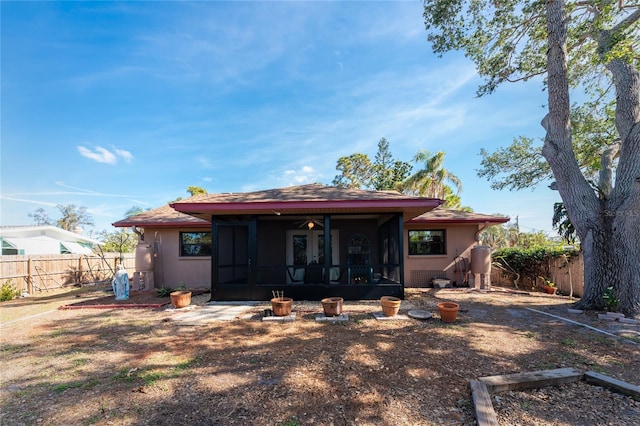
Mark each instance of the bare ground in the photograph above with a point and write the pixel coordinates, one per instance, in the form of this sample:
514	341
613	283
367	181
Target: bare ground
137	366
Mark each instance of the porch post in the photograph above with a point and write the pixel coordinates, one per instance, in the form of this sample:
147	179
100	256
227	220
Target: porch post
328	260
401	249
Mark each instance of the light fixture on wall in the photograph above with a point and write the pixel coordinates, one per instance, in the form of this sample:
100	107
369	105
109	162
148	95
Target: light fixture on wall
310	225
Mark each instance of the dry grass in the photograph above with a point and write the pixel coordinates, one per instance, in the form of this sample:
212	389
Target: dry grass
137	367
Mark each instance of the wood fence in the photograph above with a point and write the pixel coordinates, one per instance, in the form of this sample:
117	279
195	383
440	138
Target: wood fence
565	275
44	272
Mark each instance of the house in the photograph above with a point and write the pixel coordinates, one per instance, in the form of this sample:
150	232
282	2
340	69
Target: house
247	245
47	239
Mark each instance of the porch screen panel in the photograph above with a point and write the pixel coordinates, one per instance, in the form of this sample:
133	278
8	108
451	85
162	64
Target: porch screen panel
233	256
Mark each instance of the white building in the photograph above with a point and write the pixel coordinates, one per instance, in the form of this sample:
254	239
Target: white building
43	240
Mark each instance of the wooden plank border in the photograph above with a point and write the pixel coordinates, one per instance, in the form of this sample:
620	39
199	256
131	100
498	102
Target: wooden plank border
531	379
482	388
615	385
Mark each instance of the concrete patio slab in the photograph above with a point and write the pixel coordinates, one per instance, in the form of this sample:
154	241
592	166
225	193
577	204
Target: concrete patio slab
214	311
381	317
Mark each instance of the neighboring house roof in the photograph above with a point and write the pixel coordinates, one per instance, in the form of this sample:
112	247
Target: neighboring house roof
44	240
441	215
306	199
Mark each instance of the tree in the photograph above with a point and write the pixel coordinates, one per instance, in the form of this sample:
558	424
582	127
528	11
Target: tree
388	173
355	171
591	45
195	190
134	210
73	217
430	180
119	241
562	224
40	217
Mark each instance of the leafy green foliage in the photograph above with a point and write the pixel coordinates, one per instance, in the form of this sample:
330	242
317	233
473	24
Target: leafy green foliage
518	166
119	241
529	263
610	299
562	224
356	171
8	291
163	292
430	180
196	190
72	217
388	173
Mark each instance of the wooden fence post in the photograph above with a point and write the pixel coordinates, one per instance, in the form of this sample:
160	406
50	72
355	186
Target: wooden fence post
79	277
29	277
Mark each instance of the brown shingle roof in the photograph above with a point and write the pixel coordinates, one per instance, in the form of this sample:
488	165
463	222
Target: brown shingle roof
303	199
306	199
440	215
162	216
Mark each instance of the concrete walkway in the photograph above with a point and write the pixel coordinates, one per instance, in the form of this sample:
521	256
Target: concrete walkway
213	311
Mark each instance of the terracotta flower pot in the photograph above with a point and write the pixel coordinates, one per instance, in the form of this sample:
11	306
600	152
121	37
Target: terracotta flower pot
332	306
281	306
390	305
180	299
448	311
549	290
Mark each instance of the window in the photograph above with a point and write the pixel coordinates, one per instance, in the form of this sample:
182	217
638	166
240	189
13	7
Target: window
427	242
195	244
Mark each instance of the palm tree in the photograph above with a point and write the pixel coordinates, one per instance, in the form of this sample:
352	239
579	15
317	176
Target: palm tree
430	181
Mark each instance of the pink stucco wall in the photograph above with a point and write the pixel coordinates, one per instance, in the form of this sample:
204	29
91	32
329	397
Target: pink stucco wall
170	269
419	270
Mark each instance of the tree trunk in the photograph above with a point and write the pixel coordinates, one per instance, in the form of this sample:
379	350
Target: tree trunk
607	226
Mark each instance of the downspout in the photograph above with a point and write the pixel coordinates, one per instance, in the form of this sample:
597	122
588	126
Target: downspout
139	232
477	234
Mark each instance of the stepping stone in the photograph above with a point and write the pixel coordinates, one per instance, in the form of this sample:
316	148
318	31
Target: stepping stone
337	318
381	317
289	318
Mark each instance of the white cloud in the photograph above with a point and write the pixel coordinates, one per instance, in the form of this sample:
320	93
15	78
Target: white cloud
103	155
125	155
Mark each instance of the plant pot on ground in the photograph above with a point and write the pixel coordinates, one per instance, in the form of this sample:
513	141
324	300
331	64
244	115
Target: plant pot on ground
280	305
332	306
180	298
448	311
390	305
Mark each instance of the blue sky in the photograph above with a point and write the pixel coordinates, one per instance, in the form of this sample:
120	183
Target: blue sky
115	104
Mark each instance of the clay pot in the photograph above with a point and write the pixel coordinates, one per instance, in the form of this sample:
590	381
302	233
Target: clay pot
390	305
549	290
332	306
448	311
180	298
281	306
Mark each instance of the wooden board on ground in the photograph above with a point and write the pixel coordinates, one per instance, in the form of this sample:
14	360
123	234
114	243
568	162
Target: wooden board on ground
531	379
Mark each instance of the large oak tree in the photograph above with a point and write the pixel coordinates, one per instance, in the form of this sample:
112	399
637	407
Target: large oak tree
585	45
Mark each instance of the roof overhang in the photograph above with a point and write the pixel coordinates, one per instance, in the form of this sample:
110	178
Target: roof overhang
410	207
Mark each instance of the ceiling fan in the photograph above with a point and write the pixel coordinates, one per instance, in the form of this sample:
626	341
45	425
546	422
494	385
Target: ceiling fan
309	223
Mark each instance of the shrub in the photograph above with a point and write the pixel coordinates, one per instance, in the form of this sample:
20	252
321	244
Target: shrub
529	263
8	291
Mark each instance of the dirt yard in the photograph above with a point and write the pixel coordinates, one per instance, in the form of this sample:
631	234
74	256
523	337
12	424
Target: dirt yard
140	367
